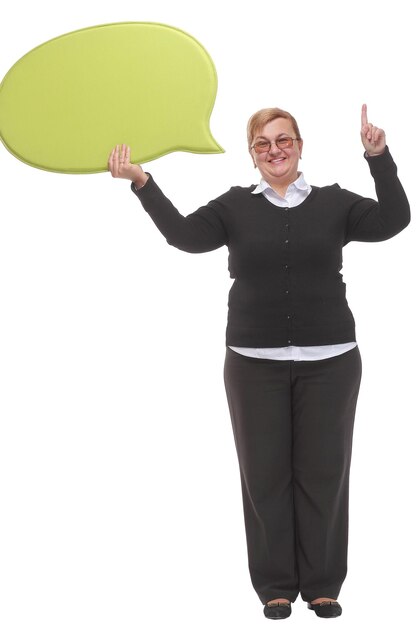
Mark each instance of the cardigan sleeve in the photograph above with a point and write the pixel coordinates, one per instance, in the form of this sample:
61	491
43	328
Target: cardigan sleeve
370	220
201	231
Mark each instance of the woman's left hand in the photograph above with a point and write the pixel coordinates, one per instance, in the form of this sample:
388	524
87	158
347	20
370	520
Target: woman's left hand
373	138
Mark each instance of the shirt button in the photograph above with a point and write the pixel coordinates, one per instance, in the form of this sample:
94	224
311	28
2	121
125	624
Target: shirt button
288	317
287	291
287	209
289	340
287	241
286	267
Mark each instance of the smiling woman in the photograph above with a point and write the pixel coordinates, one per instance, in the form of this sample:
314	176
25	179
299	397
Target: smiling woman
275	145
292	368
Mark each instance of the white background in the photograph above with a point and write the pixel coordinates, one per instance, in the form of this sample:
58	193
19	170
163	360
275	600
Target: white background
119	485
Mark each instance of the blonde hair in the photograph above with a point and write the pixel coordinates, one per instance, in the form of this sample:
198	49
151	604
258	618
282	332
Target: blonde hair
264	116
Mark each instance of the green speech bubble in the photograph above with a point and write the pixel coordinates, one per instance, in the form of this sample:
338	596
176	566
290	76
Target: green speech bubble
66	103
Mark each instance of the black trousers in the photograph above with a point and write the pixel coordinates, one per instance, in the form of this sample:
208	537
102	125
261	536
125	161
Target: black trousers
293	426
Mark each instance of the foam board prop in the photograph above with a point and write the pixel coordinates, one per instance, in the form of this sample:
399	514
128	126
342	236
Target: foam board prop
66	103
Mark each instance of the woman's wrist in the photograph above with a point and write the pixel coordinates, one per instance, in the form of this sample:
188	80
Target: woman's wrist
141	181
375	153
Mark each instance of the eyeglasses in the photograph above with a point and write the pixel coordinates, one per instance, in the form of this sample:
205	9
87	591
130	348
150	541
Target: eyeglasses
265	146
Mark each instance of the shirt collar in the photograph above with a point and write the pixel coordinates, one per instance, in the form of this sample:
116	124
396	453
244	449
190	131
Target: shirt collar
300	184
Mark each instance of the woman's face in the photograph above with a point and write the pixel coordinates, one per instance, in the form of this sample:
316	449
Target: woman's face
278	166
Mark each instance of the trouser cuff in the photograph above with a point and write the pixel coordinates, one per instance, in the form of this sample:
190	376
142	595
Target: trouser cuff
289	595
324	592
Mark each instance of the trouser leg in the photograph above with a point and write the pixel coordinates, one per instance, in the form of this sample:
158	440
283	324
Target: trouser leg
259	396
324	402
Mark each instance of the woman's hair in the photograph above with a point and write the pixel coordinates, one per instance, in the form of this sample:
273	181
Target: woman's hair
264	116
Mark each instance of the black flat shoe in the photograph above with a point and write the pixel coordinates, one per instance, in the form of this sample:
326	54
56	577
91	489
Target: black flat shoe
280	610
326	609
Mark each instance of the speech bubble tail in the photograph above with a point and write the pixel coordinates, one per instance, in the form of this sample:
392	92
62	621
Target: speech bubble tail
214	147
200	141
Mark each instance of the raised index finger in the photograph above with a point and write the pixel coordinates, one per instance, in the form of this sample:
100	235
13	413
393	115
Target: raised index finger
364	118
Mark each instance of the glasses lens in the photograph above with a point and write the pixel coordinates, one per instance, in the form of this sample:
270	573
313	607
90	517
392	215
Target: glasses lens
285	142
262	146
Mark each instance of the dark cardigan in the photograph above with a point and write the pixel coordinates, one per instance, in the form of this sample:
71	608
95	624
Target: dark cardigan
286	263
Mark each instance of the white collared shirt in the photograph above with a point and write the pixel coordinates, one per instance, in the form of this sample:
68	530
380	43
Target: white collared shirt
296	193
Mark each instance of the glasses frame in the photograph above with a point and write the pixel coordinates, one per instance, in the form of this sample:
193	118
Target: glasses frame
276	142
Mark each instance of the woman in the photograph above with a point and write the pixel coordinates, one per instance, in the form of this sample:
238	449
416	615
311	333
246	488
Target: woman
292	369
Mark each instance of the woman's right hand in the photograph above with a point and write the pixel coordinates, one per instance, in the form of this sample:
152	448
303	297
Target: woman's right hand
120	166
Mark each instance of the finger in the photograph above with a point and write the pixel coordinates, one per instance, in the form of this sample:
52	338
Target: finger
116	160
123	159
379	136
369	132
364	116
376	135
128	154
113	162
